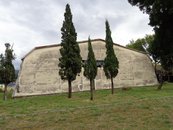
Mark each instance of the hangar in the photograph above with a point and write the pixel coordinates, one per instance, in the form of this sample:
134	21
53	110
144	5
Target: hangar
39	72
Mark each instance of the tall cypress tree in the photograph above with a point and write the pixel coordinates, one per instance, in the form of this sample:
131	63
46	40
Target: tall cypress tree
111	63
70	60
90	67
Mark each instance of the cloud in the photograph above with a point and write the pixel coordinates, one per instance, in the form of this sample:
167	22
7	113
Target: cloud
31	23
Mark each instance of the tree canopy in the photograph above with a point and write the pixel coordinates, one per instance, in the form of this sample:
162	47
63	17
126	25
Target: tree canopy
7	70
90	67
141	44
1	67
70	60
161	18
137	45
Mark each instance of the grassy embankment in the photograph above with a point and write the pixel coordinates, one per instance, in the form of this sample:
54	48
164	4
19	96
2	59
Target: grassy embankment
143	108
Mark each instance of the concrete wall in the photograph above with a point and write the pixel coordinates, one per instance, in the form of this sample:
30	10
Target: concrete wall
39	70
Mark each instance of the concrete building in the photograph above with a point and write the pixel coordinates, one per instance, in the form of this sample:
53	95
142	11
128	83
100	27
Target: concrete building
39	70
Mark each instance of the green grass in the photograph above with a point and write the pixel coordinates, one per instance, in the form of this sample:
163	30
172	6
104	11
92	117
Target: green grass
143	108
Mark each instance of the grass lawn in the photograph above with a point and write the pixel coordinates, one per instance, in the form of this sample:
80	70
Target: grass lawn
143	108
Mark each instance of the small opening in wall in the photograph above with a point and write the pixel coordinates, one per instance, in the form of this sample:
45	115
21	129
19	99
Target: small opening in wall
100	63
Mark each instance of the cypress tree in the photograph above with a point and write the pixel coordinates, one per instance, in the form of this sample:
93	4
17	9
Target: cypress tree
90	67
111	63
70	60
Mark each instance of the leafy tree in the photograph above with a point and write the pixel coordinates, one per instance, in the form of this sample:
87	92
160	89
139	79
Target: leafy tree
70	60
90	67
111	63
137	45
161	18
146	44
7	71
1	67
141	44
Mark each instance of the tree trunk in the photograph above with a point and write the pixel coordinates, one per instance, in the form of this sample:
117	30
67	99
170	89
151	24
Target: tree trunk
169	77
155	67
91	89
69	89
112	85
160	82
5	93
160	86
94	88
93	85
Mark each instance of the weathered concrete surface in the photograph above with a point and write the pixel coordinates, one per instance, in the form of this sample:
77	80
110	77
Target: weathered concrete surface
39	70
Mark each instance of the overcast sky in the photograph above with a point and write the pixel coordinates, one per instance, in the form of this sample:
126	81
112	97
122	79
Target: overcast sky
31	23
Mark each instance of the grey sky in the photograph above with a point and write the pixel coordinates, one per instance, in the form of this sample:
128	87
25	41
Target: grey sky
30	23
